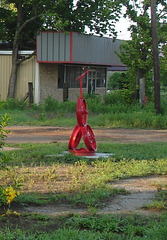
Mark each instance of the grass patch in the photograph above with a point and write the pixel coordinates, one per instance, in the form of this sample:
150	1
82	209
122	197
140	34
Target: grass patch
37	154
75	179
102	113
160	202
85	183
104	227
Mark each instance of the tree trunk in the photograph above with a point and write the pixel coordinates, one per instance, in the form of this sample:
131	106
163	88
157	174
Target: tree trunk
142	92
15	62
155	57
13	75
136	88
21	25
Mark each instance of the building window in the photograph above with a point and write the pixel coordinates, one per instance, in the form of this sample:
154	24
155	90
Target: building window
72	73
69	74
101	77
60	76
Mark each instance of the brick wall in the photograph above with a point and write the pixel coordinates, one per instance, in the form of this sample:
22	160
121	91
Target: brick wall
49	84
48	80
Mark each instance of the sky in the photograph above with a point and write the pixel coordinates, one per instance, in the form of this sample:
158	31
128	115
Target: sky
121	28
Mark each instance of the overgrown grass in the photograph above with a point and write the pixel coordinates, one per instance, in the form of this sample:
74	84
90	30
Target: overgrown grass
104	227
110	112
41	169
48	178
49	153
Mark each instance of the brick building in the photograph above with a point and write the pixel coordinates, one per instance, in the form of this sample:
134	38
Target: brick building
62	57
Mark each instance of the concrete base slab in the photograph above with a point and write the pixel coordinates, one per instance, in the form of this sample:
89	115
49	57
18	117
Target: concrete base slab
93	155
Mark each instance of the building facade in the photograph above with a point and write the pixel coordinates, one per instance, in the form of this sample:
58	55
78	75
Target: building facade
25	74
60	59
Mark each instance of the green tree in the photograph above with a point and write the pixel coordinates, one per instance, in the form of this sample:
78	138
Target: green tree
117	80
163	66
20	20
137	53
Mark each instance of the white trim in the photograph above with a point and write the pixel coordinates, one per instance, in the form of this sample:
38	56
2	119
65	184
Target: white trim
37	84
20	52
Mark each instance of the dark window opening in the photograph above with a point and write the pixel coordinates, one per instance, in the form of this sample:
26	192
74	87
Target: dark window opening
101	78
60	76
72	72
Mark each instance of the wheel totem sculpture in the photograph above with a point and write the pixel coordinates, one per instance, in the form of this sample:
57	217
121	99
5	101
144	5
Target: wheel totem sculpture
82	129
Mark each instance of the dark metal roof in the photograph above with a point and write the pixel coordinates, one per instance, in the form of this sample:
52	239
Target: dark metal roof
59	47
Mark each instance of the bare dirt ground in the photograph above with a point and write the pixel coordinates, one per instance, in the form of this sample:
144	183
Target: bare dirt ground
62	134
142	190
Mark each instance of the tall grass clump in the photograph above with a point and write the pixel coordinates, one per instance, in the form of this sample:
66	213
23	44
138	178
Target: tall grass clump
50	104
94	103
10	191
68	107
114	97
12	104
4	120
111	111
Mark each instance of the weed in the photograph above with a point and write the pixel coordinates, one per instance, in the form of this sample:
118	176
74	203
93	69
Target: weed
75	180
113	111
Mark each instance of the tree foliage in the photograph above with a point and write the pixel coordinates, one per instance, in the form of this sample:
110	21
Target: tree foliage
137	53
98	16
20	20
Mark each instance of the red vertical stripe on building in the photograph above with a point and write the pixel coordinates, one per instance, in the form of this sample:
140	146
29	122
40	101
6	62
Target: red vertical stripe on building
71	46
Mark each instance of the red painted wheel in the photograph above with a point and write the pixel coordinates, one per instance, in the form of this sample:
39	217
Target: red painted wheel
75	138
83	152
89	138
81	111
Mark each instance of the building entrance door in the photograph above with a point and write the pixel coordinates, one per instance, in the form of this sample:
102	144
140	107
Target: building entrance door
91	82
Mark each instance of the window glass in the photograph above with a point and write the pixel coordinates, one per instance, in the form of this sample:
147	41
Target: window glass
101	77
60	76
72	72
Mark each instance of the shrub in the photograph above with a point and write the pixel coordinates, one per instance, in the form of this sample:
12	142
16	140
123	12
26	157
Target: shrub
113	97
15	104
68	106
116	80
94	103
8	194
4	119
51	104
2	103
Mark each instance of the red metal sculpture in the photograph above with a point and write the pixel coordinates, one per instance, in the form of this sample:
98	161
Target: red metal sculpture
82	129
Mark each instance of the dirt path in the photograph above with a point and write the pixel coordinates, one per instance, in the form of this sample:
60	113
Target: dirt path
62	134
142	191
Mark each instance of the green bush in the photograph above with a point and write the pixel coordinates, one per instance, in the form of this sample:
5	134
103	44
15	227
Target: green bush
68	106
94	103
117	80
15	104
51	104
4	119
113	97
2	103
9	192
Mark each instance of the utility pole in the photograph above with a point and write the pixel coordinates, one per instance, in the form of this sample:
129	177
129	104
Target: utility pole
155	57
